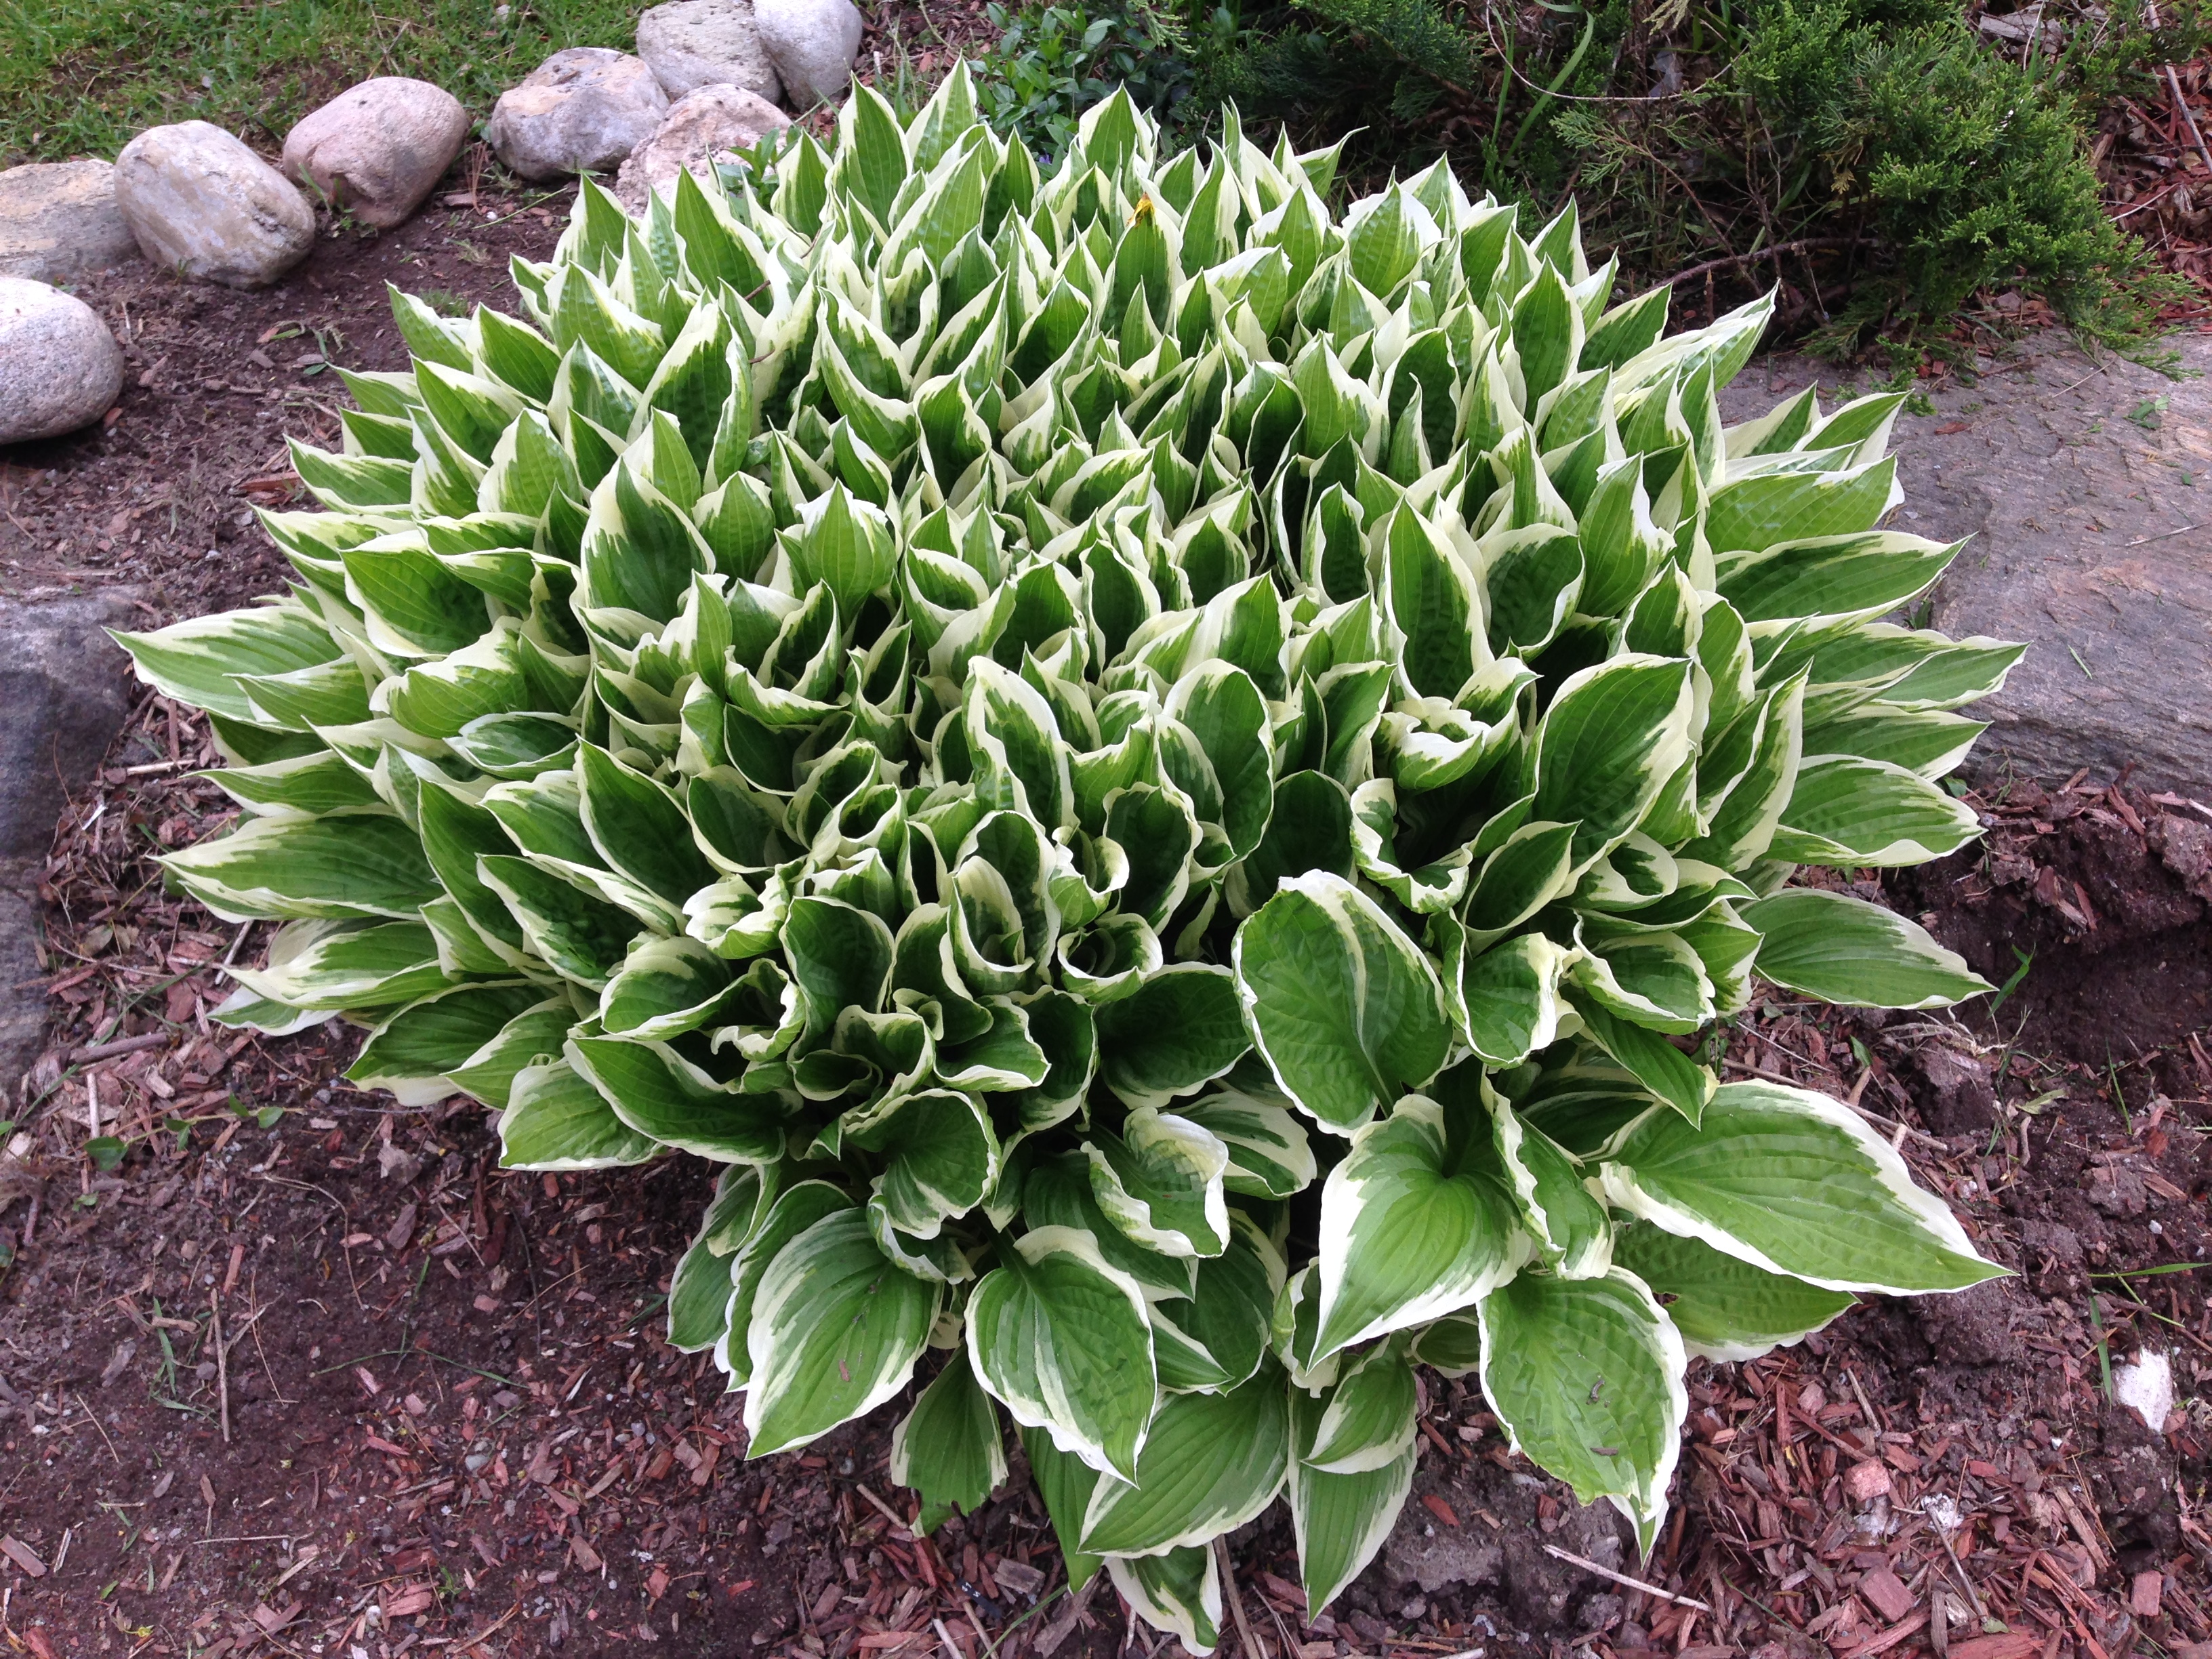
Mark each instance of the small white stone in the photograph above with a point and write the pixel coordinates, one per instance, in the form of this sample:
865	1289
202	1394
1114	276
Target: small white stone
690	43
701	126
380	147
2145	1385
580	110
59	222
812	44
202	204
59	366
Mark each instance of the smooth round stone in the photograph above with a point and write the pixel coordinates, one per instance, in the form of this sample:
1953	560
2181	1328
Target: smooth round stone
59	366
690	43
59	222
378	148
202	204
580	110
700	126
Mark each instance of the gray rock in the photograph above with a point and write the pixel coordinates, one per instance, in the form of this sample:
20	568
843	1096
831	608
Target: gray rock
1957	1096
1541	1589
59	222
580	110
690	43
204	205
699	127
380	147
66	687
812	44
2086	488
59	366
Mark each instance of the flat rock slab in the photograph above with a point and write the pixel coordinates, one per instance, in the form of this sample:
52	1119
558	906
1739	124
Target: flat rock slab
66	688
2086	489
59	222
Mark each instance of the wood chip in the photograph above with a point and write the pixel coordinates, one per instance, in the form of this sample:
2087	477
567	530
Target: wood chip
2143	1593
1864	1482
1886	1593
2012	1645
1437	1507
23	1556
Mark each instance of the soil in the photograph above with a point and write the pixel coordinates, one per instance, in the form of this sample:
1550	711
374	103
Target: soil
304	1374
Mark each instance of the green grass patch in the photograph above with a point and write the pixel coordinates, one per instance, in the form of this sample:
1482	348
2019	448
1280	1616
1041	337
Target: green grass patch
81	77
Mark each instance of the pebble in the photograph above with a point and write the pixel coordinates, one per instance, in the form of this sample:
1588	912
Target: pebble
700	126
580	110
202	204
59	222
690	43
59	366
378	148
812	44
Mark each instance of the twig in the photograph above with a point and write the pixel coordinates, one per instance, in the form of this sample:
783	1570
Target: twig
1252	1648
2162	535
1773	253
95	1416
1623	1579
221	1362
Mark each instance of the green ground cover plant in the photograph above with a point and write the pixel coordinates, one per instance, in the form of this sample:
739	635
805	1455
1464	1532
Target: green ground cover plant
1898	158
1167	779
82	77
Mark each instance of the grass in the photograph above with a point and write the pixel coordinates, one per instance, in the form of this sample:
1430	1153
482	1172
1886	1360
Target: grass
81	77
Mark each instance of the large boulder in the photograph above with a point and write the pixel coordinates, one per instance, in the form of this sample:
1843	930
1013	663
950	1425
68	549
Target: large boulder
380	147
701	127
204	205
2083	491
580	110
812	44
66	688
690	43
59	366
59	222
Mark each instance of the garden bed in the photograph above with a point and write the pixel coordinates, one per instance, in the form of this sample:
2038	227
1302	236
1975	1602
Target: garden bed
304	1373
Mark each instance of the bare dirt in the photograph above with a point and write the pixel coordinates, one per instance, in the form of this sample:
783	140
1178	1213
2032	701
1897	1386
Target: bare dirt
304	1374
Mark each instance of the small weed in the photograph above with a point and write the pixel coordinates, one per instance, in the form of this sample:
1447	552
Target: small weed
446	302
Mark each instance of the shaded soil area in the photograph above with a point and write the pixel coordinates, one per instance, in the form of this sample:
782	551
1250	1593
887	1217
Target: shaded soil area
304	1374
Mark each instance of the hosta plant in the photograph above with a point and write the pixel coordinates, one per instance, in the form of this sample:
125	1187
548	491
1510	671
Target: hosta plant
1172	781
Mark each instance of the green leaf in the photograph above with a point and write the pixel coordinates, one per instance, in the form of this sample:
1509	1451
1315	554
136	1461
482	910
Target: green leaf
950	1447
1178	1592
414	1050
1586	1376
1180	1029
658	1092
1211	1463
1160	1182
1345	1009
1066	1482
194	661
834	1331
1341	1521
1060	1337
1726	1309
1611	737
1416	1221
1843	950
939	1156
359	866
1270	1155
556	1120
1792	1182
1851	813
